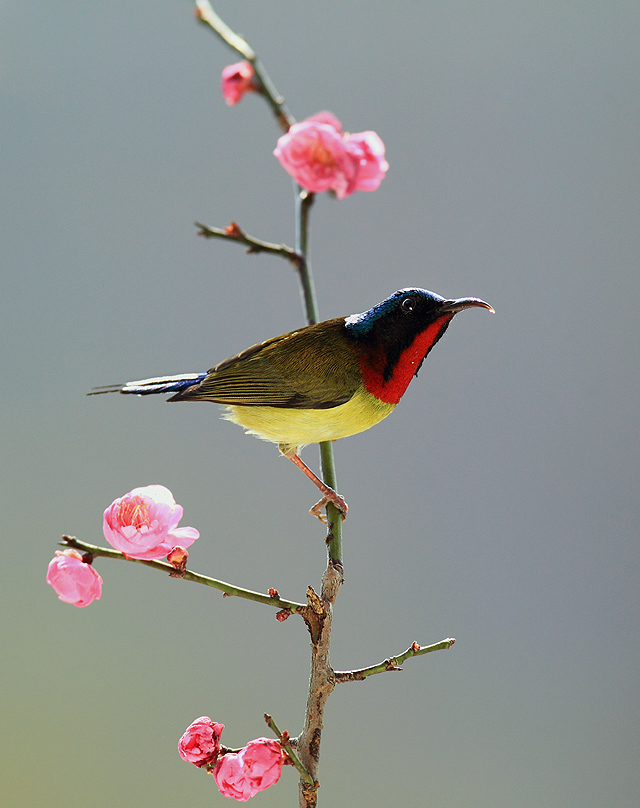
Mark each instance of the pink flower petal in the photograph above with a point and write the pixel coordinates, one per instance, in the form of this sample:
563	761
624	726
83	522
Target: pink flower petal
326	117
368	149
230	777
263	759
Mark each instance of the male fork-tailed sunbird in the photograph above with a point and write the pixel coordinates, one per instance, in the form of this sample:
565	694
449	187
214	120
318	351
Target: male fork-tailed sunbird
322	382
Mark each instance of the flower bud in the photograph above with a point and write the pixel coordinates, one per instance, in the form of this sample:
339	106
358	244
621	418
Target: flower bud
75	581
177	557
236	81
200	743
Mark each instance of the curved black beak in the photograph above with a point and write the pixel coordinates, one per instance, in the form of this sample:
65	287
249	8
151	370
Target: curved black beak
454	306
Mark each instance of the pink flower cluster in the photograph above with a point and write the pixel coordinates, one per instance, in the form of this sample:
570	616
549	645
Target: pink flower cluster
236	81
141	524
238	775
321	157
74	580
144	523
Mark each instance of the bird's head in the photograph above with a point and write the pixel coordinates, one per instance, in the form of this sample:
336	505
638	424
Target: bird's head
396	335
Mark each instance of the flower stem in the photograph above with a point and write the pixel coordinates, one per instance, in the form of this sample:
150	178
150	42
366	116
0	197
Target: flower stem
304	200
228	589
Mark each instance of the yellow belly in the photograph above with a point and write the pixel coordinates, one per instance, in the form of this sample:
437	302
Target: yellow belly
291	429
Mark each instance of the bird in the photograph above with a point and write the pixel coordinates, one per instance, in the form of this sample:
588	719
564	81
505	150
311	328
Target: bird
323	381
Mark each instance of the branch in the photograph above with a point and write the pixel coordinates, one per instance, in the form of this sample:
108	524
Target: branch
286	606
393	663
318	619
235	233
207	16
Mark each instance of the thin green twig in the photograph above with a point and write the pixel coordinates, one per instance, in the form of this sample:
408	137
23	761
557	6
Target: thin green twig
228	589
235	233
304	200
393	663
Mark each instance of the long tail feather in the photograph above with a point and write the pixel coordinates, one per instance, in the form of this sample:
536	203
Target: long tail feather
147	387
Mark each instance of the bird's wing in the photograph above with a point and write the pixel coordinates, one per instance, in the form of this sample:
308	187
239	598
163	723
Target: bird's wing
307	369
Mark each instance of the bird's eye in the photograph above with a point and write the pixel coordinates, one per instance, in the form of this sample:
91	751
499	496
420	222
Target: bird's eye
408	304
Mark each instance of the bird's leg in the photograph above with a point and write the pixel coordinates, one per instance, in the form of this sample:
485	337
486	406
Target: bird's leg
328	494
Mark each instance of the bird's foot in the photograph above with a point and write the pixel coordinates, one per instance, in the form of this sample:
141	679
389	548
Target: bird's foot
333	497
328	494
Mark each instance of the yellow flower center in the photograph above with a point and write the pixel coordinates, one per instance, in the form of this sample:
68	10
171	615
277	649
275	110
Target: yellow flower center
133	511
320	154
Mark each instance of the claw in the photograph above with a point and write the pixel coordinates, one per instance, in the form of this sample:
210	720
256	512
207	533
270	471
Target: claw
336	499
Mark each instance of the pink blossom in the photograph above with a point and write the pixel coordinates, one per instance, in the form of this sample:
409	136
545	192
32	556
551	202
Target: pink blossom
200	743
320	157
242	774
74	581
236	81
316	156
231	777
143	523
262	760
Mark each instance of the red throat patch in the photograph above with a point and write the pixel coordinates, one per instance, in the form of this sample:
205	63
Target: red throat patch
392	390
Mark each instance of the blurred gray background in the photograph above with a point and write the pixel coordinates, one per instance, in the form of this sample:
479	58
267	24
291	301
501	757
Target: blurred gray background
499	504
